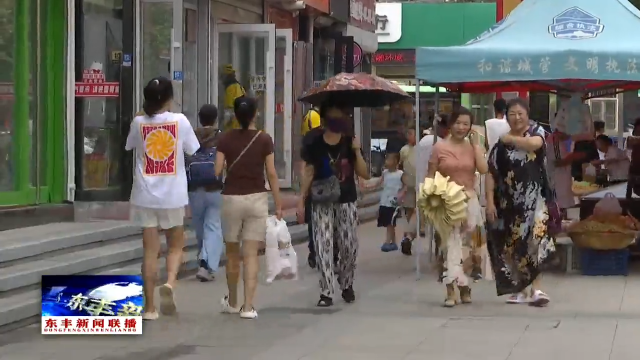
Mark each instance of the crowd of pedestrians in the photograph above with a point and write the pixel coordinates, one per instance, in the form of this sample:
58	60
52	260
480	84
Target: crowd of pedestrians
222	176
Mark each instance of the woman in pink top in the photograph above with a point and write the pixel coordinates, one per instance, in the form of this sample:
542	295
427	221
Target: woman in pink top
459	157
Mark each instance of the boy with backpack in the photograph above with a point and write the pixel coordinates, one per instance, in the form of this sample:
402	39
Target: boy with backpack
205	197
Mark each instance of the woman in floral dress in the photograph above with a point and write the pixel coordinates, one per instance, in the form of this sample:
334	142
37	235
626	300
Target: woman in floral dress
517	214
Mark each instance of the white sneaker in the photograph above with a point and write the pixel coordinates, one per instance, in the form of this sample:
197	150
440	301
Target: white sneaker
204	275
167	300
248	314
519	298
150	315
226	308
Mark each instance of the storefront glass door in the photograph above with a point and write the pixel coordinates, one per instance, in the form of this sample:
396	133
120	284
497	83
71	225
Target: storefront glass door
284	105
99	155
160	30
247	54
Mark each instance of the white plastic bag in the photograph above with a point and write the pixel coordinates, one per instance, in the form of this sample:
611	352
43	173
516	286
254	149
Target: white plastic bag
609	205
281	261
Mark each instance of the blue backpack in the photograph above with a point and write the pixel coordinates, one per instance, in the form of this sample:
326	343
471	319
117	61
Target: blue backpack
201	169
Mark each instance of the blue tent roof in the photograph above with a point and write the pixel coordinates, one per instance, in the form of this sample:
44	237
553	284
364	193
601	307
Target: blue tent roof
544	40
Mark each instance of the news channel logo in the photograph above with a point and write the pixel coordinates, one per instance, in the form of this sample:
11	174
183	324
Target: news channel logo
92	305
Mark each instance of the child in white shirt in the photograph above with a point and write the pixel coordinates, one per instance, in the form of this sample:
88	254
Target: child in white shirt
391	198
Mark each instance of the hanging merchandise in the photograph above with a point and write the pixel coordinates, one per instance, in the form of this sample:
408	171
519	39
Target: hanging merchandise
93	84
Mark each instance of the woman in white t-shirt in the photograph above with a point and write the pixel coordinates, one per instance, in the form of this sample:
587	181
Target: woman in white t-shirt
160	139
616	161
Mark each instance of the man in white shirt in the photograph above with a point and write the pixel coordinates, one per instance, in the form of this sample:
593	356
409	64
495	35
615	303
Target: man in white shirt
159	193
497	126
615	160
425	146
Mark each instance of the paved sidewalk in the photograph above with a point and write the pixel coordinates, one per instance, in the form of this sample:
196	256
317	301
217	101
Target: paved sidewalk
394	318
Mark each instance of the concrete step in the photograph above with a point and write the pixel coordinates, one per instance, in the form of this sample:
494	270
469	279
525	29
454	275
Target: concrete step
23	243
91	248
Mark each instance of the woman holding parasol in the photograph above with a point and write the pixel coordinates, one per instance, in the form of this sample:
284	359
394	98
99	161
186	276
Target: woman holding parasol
332	160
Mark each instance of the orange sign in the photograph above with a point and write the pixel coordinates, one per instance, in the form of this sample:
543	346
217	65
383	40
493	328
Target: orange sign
160	143
320	5
505	7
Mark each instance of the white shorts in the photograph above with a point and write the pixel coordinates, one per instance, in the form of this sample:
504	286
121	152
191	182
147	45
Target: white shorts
153	218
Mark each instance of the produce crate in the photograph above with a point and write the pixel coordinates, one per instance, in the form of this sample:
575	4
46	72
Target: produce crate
604	262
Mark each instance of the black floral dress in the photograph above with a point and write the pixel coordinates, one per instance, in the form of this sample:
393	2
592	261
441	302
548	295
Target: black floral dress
518	241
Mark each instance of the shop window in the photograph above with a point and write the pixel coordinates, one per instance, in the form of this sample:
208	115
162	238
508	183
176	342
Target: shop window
156	41
539	105
482	107
7	44
401	115
323	56
190	64
605	109
225	58
20	135
98	55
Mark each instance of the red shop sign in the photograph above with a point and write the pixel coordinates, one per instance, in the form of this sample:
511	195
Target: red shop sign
394	57
94	85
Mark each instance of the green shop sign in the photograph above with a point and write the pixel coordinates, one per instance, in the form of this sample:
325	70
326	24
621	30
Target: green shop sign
409	26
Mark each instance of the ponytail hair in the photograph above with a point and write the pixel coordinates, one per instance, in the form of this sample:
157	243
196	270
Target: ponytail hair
157	93
245	109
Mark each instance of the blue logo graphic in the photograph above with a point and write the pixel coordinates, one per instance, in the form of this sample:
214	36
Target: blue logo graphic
92	295
495	27
575	24
177	76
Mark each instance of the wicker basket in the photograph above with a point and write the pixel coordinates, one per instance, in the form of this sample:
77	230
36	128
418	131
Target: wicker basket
603	240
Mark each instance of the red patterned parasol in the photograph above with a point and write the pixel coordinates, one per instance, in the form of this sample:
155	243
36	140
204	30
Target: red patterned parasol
355	90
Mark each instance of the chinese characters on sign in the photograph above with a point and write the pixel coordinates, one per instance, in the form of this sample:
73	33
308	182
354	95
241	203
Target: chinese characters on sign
94	85
258	82
543	65
394	57
381	24
101	307
91	325
105	317
363	14
575	24
388	18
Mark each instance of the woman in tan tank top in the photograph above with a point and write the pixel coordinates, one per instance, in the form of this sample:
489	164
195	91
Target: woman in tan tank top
459	157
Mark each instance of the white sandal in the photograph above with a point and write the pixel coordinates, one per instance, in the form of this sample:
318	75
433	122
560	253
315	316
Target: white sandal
539	299
518	298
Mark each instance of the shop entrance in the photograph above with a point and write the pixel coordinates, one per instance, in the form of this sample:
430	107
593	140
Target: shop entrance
167	35
260	58
102	98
